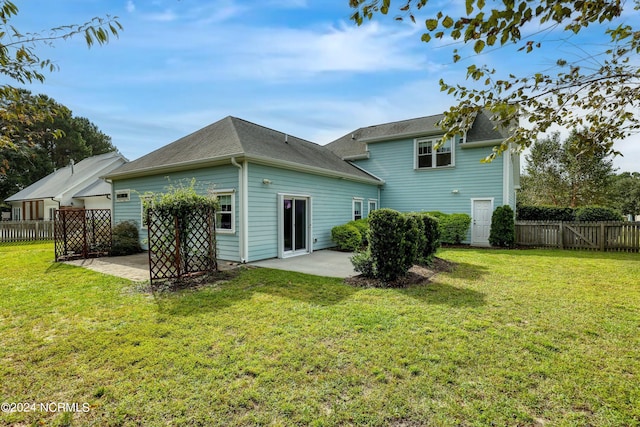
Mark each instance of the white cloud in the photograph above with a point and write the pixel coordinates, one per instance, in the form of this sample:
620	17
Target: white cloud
131	7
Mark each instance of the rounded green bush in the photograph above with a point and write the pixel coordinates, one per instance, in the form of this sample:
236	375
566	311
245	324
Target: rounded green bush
346	237
503	228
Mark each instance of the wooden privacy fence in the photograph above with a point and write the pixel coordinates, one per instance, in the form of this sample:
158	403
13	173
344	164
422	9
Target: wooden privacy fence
586	235
24	231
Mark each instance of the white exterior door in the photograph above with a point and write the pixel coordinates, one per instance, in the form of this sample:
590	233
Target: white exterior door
294	225
482	210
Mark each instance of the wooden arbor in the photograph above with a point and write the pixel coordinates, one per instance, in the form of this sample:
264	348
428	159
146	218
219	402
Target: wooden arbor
82	233
181	245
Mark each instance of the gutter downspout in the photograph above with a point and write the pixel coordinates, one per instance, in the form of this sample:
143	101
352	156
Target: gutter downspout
243	238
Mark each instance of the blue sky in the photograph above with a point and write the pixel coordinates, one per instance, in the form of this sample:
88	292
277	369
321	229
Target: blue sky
298	66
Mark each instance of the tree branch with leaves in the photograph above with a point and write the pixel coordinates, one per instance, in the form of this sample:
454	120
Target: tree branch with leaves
598	92
20	62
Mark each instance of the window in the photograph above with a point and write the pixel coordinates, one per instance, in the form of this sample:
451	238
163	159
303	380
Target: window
225	216
123	195
16	214
52	214
357	209
373	205
427	157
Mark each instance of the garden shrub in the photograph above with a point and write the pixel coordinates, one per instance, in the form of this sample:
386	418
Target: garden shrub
556	213
432	238
363	227
347	237
454	228
414	240
503	228
125	239
363	263
597	213
386	244
545	213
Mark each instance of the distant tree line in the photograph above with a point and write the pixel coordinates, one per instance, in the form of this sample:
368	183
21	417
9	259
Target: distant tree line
557	173
38	147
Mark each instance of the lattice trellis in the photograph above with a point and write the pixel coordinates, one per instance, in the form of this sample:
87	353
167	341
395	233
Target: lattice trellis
181	247
82	233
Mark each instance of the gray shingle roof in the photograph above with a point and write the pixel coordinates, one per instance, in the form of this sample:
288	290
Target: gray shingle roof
234	137
70	178
354	143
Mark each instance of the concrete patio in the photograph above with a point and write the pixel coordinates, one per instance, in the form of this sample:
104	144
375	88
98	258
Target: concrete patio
136	267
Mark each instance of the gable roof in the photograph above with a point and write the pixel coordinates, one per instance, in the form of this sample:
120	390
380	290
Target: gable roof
99	187
353	145
232	137
70	178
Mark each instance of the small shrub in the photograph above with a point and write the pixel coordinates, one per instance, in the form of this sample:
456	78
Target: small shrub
597	213
432	239
363	227
347	237
414	240
503	229
125	239
454	228
386	244
363	263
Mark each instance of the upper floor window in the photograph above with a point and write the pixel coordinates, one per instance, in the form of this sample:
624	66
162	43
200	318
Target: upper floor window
428	157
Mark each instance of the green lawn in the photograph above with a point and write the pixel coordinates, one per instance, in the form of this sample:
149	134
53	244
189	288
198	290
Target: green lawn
509	338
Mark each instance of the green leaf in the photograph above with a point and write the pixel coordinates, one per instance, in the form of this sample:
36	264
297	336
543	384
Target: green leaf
478	46
431	24
447	22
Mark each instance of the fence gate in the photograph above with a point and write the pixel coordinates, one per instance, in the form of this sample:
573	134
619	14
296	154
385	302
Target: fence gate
82	233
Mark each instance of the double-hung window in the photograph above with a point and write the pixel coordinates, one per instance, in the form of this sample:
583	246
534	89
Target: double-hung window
357	208
225	216
427	156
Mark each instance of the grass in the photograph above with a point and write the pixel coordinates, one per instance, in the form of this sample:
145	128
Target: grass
525	338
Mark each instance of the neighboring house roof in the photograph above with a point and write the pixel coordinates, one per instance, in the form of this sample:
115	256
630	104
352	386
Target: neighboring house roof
233	137
70	178
97	188
353	144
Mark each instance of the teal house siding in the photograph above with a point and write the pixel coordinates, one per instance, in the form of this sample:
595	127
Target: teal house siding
207	180
434	189
331	204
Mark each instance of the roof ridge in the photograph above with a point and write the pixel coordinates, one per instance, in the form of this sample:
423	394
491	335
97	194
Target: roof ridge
401	121
273	130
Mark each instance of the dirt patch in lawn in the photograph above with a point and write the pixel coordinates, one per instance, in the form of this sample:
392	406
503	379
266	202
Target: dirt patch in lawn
417	275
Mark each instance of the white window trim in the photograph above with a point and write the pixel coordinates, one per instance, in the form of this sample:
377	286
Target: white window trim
353	207
370	202
124	199
433	140
232	193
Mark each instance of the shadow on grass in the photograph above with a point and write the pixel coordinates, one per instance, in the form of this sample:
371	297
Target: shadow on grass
469	272
306	288
442	294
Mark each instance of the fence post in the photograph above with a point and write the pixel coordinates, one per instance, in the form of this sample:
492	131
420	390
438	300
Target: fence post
561	235
602	236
